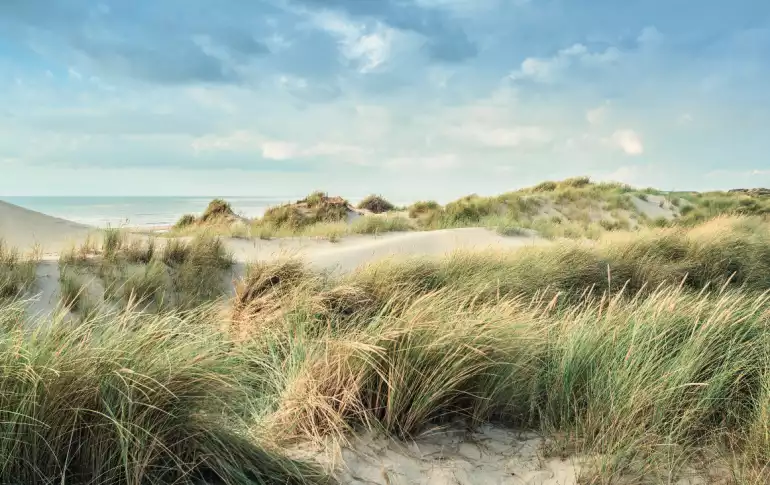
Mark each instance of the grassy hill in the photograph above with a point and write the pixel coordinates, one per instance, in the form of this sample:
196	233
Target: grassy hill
571	208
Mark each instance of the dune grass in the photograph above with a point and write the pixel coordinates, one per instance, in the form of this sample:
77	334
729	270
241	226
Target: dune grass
646	354
17	271
128	398
182	273
650	366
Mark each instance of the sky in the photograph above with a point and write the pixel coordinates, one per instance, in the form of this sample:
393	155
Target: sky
413	99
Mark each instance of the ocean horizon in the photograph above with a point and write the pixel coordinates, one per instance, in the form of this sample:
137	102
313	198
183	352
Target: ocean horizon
138	211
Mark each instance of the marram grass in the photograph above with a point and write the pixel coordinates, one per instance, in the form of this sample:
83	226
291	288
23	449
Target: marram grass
126	398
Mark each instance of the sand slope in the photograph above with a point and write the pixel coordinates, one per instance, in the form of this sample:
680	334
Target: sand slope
23	229
354	251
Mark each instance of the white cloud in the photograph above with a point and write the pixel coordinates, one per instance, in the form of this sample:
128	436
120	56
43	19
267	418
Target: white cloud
279	150
596	116
629	141
369	47
251	142
550	69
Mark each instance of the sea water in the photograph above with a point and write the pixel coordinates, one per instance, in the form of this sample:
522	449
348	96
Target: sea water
137	211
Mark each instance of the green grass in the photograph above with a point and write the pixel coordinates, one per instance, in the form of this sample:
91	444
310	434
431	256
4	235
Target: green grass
645	353
129	398
73	291
17	271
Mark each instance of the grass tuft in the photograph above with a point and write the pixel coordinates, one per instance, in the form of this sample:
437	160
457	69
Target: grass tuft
376	204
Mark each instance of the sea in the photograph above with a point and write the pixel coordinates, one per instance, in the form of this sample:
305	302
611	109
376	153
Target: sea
144	212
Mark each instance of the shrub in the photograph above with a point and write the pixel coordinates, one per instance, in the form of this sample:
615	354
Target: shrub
185	221
470	209
217	210
376	204
423	207
289	216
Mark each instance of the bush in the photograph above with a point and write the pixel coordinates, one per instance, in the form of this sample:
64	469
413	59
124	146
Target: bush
423	207
289	216
376	204
217	210
185	221
470	210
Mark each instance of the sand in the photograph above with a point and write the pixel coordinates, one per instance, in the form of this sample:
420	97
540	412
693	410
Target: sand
455	456
24	229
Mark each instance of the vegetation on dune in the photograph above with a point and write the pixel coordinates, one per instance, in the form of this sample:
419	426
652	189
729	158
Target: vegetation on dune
574	208
645	353
216	210
316	208
185	221
129	398
132	270
376	204
17	271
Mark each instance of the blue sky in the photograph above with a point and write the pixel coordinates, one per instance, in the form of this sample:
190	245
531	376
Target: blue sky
410	98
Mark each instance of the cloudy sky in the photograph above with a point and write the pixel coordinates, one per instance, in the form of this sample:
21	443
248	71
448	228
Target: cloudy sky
410	98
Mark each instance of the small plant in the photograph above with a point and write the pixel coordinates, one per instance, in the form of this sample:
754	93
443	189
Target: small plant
185	221
72	290
139	252
113	242
175	252
145	285
17	272
376	204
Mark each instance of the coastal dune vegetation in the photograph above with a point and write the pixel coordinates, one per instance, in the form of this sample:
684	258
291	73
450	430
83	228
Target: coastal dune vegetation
642	351
575	208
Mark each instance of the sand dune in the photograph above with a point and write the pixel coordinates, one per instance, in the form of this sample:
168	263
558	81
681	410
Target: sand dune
354	251
23	229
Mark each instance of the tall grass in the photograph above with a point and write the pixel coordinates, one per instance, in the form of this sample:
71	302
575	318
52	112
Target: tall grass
643	385
17	271
127	398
